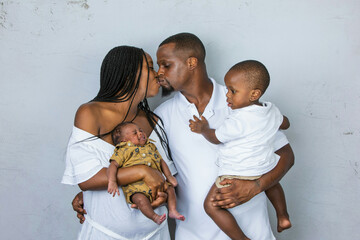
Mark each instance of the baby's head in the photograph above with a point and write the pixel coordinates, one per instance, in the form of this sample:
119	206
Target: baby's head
246	82
128	131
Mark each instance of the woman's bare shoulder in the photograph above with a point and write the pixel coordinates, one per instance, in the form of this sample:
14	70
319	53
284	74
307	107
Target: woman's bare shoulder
86	117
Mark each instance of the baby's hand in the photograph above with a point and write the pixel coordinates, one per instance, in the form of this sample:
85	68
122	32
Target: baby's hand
172	180
197	125
113	188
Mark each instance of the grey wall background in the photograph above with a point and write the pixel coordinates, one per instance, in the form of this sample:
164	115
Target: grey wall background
50	56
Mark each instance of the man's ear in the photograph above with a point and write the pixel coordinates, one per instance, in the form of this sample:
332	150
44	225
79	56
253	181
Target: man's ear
255	95
192	63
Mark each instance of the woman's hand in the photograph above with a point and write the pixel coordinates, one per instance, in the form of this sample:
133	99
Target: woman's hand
78	206
160	200
155	180
239	192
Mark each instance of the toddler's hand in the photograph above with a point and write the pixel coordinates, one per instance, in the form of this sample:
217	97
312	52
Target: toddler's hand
198	125
113	188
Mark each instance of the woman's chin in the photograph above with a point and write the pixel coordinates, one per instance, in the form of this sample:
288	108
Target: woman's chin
152	93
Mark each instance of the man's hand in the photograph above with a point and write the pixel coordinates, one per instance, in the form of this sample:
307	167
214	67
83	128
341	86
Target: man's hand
239	192
78	206
197	125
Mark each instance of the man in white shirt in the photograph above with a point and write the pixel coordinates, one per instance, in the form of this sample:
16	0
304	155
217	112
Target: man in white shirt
182	68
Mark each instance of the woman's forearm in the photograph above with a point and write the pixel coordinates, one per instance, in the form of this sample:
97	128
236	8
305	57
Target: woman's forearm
286	161
124	176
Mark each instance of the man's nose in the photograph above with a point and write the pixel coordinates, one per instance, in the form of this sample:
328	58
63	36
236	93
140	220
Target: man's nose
160	73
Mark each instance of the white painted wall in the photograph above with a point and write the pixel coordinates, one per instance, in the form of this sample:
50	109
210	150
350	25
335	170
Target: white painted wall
50	56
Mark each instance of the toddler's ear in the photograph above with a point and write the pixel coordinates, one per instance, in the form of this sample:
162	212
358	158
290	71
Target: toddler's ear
255	95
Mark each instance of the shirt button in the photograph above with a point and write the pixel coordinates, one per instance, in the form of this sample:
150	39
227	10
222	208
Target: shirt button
143	154
129	144
149	164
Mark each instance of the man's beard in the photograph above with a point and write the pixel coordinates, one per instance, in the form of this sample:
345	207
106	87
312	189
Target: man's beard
167	91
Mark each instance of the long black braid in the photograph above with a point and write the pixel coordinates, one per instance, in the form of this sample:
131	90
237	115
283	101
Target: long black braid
118	74
151	117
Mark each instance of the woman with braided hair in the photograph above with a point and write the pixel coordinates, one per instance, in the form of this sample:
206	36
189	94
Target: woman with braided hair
127	79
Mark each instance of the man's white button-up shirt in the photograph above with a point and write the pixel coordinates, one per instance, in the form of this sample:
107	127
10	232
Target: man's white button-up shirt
195	161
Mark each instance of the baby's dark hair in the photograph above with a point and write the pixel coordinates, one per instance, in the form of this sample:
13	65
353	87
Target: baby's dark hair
116	134
255	72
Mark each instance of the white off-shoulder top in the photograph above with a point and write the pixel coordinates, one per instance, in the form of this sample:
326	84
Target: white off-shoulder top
107	217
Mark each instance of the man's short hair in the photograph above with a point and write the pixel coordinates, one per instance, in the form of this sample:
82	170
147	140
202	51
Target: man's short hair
255	72
188	43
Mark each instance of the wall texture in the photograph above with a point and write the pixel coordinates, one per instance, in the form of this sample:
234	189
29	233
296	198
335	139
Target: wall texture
50	56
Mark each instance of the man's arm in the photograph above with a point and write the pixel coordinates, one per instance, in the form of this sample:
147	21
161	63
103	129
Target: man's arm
285	123
241	191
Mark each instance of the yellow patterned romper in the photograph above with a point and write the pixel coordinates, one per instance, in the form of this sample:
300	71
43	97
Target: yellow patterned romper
127	154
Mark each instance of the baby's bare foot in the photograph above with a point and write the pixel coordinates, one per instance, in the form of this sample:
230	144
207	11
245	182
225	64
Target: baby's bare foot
283	223
176	215
159	219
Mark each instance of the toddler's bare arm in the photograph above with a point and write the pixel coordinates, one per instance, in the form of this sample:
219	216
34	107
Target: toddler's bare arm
202	126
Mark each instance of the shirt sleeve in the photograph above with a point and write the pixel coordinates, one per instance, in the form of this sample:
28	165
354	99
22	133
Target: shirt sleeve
81	162
280	140
118	156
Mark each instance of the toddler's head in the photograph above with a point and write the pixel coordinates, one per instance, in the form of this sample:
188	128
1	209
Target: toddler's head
246	82
128	131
